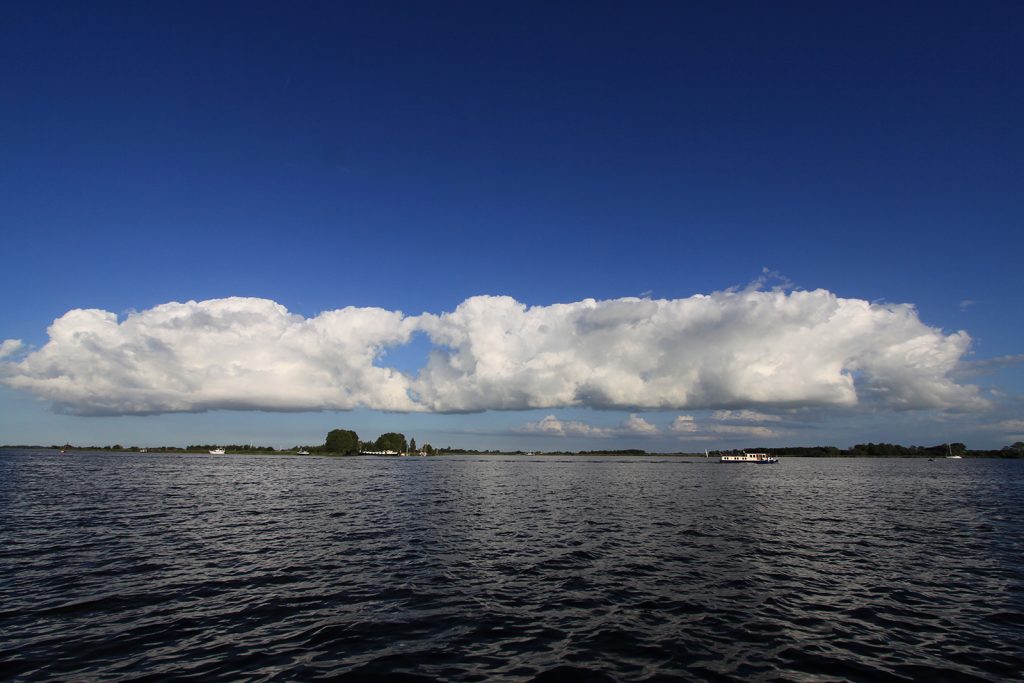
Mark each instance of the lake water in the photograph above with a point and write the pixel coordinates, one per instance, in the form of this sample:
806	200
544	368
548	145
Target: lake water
147	566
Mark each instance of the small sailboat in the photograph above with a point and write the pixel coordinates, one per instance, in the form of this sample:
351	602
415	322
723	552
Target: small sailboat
950	456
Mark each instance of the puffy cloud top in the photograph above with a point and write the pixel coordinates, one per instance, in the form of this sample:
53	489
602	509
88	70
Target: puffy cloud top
724	350
727	350
234	353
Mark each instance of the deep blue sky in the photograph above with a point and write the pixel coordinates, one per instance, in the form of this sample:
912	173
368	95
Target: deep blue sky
410	155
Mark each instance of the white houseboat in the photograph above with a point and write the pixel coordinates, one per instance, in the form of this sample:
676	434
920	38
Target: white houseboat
757	458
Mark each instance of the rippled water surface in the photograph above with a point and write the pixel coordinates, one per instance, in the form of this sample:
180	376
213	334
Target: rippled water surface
121	567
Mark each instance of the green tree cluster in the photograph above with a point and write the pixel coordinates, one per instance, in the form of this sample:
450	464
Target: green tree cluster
891	449
392	441
342	442
346	442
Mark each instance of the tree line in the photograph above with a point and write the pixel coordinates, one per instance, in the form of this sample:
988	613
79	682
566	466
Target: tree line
346	442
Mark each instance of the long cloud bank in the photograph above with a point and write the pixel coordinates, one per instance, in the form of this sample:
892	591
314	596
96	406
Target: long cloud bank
726	350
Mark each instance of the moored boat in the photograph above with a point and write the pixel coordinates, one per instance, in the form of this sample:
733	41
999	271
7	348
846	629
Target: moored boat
756	458
217	451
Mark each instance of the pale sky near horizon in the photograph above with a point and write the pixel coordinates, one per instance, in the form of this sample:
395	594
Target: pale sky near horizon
535	226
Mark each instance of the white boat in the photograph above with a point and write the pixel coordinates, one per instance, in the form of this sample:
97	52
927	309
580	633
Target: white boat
756	458
217	451
949	450
303	452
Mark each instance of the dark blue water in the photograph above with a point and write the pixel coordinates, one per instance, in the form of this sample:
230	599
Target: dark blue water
129	567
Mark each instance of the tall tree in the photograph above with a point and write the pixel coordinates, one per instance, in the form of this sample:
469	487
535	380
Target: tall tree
412	445
343	441
392	441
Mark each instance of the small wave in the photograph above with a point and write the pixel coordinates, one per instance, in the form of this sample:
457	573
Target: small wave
478	569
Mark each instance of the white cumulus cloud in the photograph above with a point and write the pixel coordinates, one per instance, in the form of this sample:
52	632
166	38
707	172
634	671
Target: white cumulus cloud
742	430
683	424
235	353
739	351
687	426
9	347
550	425
724	350
638	425
744	416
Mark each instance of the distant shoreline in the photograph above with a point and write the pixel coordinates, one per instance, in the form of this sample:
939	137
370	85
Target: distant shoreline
1006	453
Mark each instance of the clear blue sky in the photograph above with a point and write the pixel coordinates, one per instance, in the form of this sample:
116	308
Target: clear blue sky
410	156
